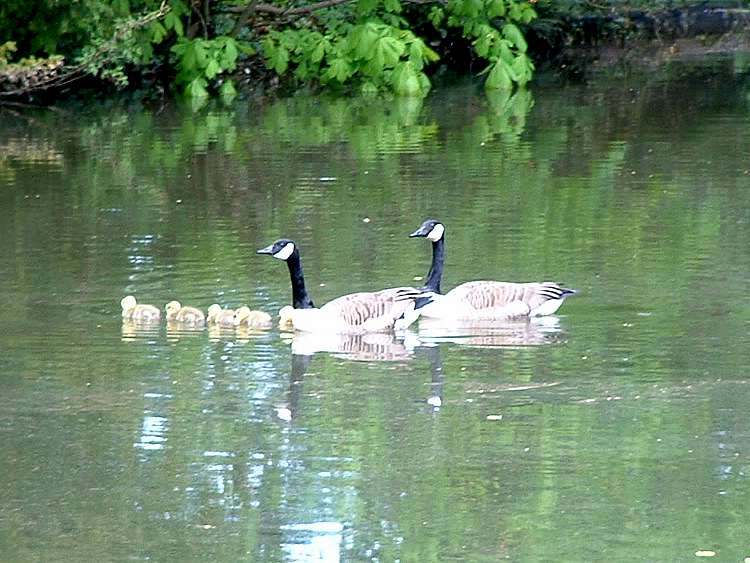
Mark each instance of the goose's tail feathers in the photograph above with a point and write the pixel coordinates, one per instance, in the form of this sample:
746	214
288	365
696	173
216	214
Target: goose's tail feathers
420	298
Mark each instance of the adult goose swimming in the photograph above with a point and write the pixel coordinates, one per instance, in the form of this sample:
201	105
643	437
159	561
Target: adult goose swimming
355	313
483	300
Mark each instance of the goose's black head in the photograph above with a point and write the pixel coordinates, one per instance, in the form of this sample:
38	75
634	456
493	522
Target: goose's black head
281	249
431	229
286	250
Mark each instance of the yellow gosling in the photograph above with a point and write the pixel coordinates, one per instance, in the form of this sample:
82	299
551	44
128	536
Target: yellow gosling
178	313
244	316
285	318
220	317
131	309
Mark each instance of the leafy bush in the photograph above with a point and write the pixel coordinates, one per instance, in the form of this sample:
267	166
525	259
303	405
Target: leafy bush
365	45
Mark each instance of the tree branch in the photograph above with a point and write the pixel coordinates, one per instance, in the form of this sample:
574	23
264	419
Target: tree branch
243	19
279	11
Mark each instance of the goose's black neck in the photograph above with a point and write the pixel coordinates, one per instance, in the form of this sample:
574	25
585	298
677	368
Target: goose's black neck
436	269
300	298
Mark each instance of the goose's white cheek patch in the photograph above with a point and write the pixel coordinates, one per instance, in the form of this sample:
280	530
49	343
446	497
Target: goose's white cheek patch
285	252
436	233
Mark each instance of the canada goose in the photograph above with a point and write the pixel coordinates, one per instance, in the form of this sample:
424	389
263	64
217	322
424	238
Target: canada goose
354	313
483	300
246	317
221	317
178	313
131	309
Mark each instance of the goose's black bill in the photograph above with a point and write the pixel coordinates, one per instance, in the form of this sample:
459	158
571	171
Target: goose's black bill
422	231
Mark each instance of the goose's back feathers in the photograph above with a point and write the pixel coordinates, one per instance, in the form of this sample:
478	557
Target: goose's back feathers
487	300
358	312
368	309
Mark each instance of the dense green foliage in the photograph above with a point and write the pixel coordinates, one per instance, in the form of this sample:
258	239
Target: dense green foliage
365	45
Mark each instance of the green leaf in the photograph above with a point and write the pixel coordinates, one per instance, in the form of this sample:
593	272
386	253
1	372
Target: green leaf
201	53
505	53
366	6
282	60
528	14
269	50
179	7
514	35
197	88
302	71
522	68
436	16
391	50
172	21
245	48
375	65
339	69
499	78
404	80
496	8
229	54
227	91
363	39
429	54
277	57
369	89
424	83
415	56
318	52
121	7
393	6
158	32
188	61
212	69
483	43
472	8
522	11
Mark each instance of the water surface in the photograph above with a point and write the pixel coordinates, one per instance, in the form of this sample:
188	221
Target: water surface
618	431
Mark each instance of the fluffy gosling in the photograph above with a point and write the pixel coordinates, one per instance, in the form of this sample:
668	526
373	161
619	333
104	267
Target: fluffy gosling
178	313
132	310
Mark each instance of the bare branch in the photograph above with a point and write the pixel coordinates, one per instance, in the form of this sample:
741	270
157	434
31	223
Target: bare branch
243	18
279	11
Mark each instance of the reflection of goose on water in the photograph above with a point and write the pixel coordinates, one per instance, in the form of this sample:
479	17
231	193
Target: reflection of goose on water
135	311
490	334
483	300
367	347
357	313
178	313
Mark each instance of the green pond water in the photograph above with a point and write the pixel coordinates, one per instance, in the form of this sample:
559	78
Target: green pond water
617	431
